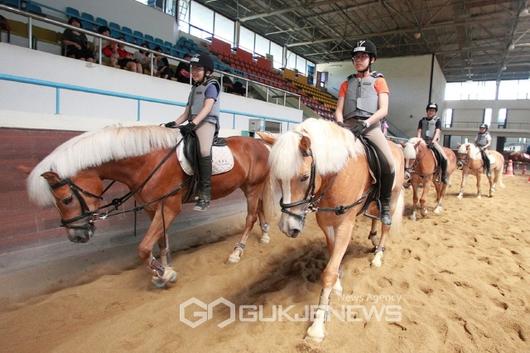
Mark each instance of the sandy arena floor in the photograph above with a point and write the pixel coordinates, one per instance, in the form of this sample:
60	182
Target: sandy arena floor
462	281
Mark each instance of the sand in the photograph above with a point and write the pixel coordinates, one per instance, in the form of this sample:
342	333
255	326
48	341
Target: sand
461	280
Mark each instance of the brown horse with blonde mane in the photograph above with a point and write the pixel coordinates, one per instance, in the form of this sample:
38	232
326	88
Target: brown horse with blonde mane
470	160
421	164
323	168
144	159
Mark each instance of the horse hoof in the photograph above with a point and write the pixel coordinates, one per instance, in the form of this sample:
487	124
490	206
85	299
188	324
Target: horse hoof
479	196
234	258
438	210
169	277
265	239
315	334
424	213
412	217
460	197
378	259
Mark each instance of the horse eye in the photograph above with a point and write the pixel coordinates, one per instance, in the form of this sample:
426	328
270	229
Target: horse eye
67	200
304	178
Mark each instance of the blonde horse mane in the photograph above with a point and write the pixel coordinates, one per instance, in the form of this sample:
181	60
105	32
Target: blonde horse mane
474	151
409	150
94	148
331	146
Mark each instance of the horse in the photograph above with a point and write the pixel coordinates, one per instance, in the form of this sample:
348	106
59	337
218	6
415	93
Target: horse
421	163
470	160
144	159
321	167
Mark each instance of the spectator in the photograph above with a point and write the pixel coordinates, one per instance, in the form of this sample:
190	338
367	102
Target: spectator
162	65
75	44
183	70
228	86
142	58
239	89
126	59
103	30
111	52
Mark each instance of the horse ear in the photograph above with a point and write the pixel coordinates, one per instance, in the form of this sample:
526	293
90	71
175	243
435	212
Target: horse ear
267	137
24	169
51	177
305	145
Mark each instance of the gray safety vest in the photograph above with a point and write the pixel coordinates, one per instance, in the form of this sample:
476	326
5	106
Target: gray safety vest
196	101
428	128
361	97
483	139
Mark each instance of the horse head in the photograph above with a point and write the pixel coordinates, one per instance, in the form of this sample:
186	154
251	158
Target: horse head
294	169
463	154
77	199
410	152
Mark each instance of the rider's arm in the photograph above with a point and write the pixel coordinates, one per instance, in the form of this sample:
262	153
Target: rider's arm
382	110
437	131
206	109
339	117
183	116
418	131
488	143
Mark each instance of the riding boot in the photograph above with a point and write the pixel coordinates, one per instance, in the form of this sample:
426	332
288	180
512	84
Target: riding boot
443	166
205	184
486	161
387	181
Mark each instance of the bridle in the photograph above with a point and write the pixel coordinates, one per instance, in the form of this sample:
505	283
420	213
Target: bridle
107	210
311	199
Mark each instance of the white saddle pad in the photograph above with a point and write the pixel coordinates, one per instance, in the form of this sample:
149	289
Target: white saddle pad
222	160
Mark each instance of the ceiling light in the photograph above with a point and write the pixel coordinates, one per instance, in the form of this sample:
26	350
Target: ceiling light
524	12
503	68
417	35
511	46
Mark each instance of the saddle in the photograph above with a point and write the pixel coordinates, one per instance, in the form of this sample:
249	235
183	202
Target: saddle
374	165
438	159
188	154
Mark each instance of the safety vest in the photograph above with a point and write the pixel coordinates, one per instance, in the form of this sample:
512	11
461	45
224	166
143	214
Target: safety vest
361	97
196	101
428	128
483	139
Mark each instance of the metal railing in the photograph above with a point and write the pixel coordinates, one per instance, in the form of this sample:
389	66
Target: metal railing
476	124
31	17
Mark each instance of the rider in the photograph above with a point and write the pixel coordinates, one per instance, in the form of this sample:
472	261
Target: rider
483	141
429	129
362	104
202	115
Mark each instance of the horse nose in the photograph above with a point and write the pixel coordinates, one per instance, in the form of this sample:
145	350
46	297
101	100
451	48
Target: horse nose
294	232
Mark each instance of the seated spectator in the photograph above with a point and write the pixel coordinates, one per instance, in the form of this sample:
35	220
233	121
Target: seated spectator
143	58
228	86
119	57
183	70
103	30
75	44
239	89
162	65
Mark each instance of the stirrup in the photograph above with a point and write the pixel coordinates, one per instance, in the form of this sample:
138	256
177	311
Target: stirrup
201	205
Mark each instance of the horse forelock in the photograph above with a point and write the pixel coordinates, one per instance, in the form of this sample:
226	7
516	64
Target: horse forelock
331	146
473	153
410	148
94	148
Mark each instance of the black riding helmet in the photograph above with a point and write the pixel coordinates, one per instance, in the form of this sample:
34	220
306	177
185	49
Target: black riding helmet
203	60
432	106
483	126
365	46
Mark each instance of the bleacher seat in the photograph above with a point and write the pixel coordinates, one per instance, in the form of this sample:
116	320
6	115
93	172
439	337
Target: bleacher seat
87	21
101	22
139	37
30	7
71	12
114	26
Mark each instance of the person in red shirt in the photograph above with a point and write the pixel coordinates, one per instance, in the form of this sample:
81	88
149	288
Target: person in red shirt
119	57
362	104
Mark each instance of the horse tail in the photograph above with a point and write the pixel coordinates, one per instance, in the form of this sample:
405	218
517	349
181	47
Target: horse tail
268	200
397	216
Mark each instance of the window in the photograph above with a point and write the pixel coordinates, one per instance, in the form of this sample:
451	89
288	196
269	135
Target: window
501	118
487	116
276	52
301	65
514	89
262	46
224	29
246	39
184	16
201	19
273	126
448	117
476	90
291	60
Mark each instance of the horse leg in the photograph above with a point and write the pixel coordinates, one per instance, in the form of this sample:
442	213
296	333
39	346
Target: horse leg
330	243
379	250
373	233
317	331
252	196
426	184
479	176
461	193
265	238
440	193
414	199
162	274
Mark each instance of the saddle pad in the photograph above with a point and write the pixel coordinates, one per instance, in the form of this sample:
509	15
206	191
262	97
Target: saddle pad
222	160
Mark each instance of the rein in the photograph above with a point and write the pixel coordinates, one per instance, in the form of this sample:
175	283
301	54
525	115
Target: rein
96	214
